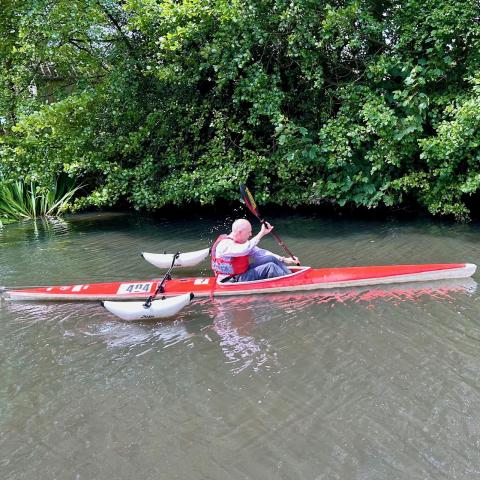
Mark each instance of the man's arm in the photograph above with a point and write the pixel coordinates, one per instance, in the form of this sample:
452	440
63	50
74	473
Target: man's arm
259	254
230	248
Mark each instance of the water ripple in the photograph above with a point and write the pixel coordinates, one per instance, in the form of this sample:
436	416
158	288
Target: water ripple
368	383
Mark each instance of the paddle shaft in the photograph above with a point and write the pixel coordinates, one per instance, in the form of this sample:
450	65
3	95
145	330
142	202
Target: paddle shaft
254	209
276	237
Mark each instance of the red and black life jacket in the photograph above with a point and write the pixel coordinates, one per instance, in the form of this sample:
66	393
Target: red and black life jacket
228	265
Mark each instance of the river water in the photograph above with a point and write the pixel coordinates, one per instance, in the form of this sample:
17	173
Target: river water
371	383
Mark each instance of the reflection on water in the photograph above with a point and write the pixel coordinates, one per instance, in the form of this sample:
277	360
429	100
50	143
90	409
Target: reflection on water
34	230
235	329
371	382
439	289
233	320
117	334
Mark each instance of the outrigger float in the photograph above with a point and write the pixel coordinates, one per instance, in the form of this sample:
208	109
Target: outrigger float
120	297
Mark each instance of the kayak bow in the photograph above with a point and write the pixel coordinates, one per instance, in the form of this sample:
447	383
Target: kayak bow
301	278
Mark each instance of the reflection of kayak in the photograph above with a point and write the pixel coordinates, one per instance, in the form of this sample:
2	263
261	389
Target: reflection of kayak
363	294
301	278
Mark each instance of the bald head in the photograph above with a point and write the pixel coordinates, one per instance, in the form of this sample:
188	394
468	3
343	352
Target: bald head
241	230
240	224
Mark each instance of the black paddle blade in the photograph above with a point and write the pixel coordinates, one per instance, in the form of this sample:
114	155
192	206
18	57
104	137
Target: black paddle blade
249	200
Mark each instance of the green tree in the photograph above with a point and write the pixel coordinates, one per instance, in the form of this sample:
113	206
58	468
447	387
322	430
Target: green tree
158	102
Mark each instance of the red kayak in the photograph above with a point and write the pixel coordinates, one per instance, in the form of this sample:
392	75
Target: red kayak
301	278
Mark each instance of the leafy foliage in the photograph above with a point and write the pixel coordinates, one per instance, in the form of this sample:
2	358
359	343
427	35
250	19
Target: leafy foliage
159	102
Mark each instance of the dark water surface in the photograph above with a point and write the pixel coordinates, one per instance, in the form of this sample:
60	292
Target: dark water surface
373	383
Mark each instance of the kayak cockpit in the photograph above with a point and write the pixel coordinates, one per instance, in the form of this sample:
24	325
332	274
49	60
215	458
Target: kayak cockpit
295	271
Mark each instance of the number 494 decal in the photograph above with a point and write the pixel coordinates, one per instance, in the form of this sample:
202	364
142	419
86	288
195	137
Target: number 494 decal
126	288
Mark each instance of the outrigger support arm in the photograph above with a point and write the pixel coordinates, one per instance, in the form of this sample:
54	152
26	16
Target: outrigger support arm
161	288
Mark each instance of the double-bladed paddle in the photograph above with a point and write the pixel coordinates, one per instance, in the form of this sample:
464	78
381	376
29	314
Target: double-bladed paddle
252	206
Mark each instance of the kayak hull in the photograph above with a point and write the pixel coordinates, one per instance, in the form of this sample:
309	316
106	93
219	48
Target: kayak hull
301	278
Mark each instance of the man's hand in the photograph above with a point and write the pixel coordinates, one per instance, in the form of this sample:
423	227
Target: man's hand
266	229
293	260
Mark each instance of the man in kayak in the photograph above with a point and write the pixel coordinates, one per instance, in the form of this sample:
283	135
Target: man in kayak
236	257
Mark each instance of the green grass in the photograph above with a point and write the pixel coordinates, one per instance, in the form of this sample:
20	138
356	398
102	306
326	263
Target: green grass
22	201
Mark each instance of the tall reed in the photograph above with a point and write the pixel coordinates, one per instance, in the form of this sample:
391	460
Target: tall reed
20	200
